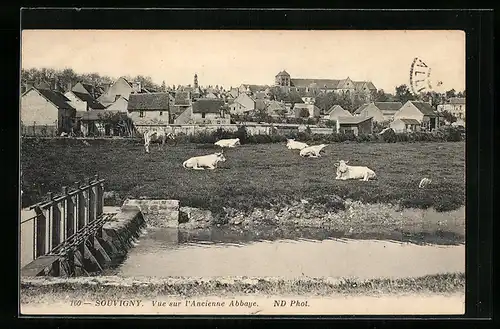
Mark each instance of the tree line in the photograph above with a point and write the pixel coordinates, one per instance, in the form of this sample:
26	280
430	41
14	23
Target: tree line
351	102
68	77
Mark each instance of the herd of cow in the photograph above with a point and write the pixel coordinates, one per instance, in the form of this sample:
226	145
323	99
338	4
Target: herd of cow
210	161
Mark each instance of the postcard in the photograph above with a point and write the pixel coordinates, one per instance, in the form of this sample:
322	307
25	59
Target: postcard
242	172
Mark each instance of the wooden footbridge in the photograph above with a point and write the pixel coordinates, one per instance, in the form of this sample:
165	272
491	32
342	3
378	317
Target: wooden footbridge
68	239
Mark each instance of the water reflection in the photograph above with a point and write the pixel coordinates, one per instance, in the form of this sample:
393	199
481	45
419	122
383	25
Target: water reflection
284	253
241	237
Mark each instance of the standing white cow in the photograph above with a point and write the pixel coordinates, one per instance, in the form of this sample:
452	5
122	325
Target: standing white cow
345	172
228	142
292	144
312	151
210	161
156	135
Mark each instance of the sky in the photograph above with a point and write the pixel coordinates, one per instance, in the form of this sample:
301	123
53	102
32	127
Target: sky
231	58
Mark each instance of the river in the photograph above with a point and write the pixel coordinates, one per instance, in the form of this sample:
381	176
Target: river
169	252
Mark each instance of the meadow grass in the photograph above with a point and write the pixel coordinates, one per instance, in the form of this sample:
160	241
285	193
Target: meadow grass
33	290
262	175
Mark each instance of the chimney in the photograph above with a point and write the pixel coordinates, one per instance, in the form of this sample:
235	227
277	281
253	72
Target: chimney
105	87
136	86
30	84
69	86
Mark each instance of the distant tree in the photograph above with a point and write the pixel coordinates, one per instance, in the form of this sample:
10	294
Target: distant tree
277	94
261	115
163	86
331	123
379	96
326	100
451	93
403	94
304	113
449	116
435	98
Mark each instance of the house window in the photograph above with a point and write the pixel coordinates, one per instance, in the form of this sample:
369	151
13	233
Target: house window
141	114
161	112
203	115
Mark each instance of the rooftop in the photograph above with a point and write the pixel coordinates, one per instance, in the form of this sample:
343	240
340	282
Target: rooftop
354	120
91	102
55	97
425	108
410	121
149	101
207	105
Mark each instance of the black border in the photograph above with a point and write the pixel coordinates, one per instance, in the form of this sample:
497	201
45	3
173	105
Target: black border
478	25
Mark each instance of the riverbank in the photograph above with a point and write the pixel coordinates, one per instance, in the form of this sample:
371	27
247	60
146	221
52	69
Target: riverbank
48	289
356	220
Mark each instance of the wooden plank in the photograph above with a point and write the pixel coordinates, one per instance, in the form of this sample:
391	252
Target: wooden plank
100	248
88	254
39	265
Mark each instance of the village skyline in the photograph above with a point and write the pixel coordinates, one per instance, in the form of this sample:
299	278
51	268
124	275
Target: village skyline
173	57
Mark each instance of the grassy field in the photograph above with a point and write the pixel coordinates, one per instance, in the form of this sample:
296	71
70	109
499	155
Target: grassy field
263	175
32	290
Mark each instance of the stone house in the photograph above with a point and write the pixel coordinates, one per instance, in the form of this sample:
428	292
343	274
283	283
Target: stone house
336	111
152	108
405	125
209	111
45	111
83	101
379	111
313	110
423	112
354	124
455	106
242	104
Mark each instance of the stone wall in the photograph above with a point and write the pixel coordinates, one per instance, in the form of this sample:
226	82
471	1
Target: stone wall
157	213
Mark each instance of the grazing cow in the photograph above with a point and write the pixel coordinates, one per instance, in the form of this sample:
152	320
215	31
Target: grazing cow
210	161
345	172
312	151
156	135
424	182
385	130
228	142
292	144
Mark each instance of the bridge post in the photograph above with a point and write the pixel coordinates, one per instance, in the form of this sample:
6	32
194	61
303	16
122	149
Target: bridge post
56	223
80	209
70	213
63	208
91	194
86	205
40	232
100	197
48	226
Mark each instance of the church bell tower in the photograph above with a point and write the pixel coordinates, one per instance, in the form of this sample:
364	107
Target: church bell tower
196	81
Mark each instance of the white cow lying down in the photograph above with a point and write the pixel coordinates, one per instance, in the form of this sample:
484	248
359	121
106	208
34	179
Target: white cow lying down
292	144
312	151
228	142
345	172
210	161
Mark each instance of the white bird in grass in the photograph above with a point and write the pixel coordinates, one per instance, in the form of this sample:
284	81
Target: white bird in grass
424	182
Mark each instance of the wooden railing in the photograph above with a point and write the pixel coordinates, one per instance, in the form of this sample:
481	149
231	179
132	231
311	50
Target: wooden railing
62	216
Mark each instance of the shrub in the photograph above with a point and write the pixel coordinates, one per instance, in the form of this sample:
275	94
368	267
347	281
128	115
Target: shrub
242	134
